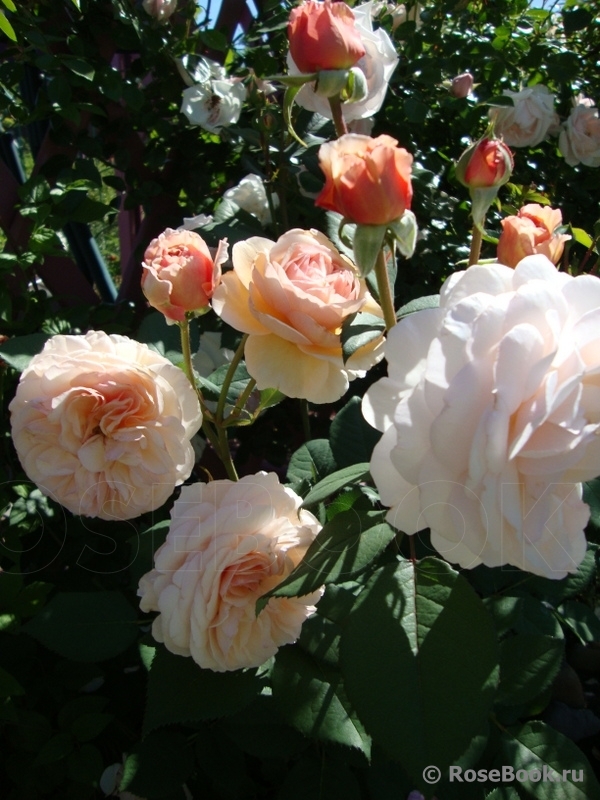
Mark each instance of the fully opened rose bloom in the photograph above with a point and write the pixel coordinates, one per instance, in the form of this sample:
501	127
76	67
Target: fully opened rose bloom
367	180
579	139
491	417
214	104
531	120
323	36
378	63
531	231
292	297
102	424
179	273
228	544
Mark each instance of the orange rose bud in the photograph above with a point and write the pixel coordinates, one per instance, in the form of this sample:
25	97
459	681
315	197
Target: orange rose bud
529	233
179	273
323	36
367	180
485	164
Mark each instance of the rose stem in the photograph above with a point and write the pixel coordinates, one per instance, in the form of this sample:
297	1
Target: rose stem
305	420
475	245
239	354
184	328
338	117
385	291
242	399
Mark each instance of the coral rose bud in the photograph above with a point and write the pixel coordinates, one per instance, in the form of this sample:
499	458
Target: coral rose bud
462	85
180	274
323	36
529	233
485	164
367	180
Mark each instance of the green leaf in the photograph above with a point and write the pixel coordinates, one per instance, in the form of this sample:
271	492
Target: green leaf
163	338
358	331
342	549
336	481
500	101
524	614
581	620
429	689
212	385
80	67
260	731
88	726
10	5
352	438
9	686
429	301
534	746
6	27
19	351
576	20
316	777
163	762
416	111
312	462
311	697
55	749
180	691
581	237
85	764
86	626
591	495
528	665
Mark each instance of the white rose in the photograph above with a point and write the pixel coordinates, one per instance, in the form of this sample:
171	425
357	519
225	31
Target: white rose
530	120
491	417
215	104
251	196
378	64
228	544
102	424
160	9
579	139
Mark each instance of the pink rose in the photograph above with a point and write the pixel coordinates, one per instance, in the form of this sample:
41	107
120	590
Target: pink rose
491	417
323	36
228	544
579	139
102	424
179	273
292	296
531	232
462	85
530	120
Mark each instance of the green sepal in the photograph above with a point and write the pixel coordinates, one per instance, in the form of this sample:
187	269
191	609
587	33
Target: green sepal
404	230
293	80
368	241
481	200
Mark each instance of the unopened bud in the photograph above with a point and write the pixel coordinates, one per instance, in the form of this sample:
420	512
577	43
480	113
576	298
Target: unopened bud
462	85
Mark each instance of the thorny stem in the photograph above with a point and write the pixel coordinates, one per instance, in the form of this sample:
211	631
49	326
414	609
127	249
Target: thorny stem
385	291
338	115
475	245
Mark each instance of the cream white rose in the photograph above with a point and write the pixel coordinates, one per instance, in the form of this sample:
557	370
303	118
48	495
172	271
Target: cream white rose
378	64
251	196
228	544
491	417
214	104
531	120
579	139
102	424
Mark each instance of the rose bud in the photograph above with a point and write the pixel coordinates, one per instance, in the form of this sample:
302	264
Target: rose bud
160	9
180	274
367	180
529	233
462	85
485	164
323	36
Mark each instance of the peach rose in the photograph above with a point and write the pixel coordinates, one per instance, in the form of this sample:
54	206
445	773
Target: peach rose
179	273
323	36
367	180
485	164
228	544
102	424
292	296
491	417
531	232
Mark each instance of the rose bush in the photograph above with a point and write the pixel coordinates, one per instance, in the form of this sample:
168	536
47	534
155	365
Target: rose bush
323	36
228	544
102	424
579	139
179	274
491	417
531	232
530	120
378	63
367	180
292	297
